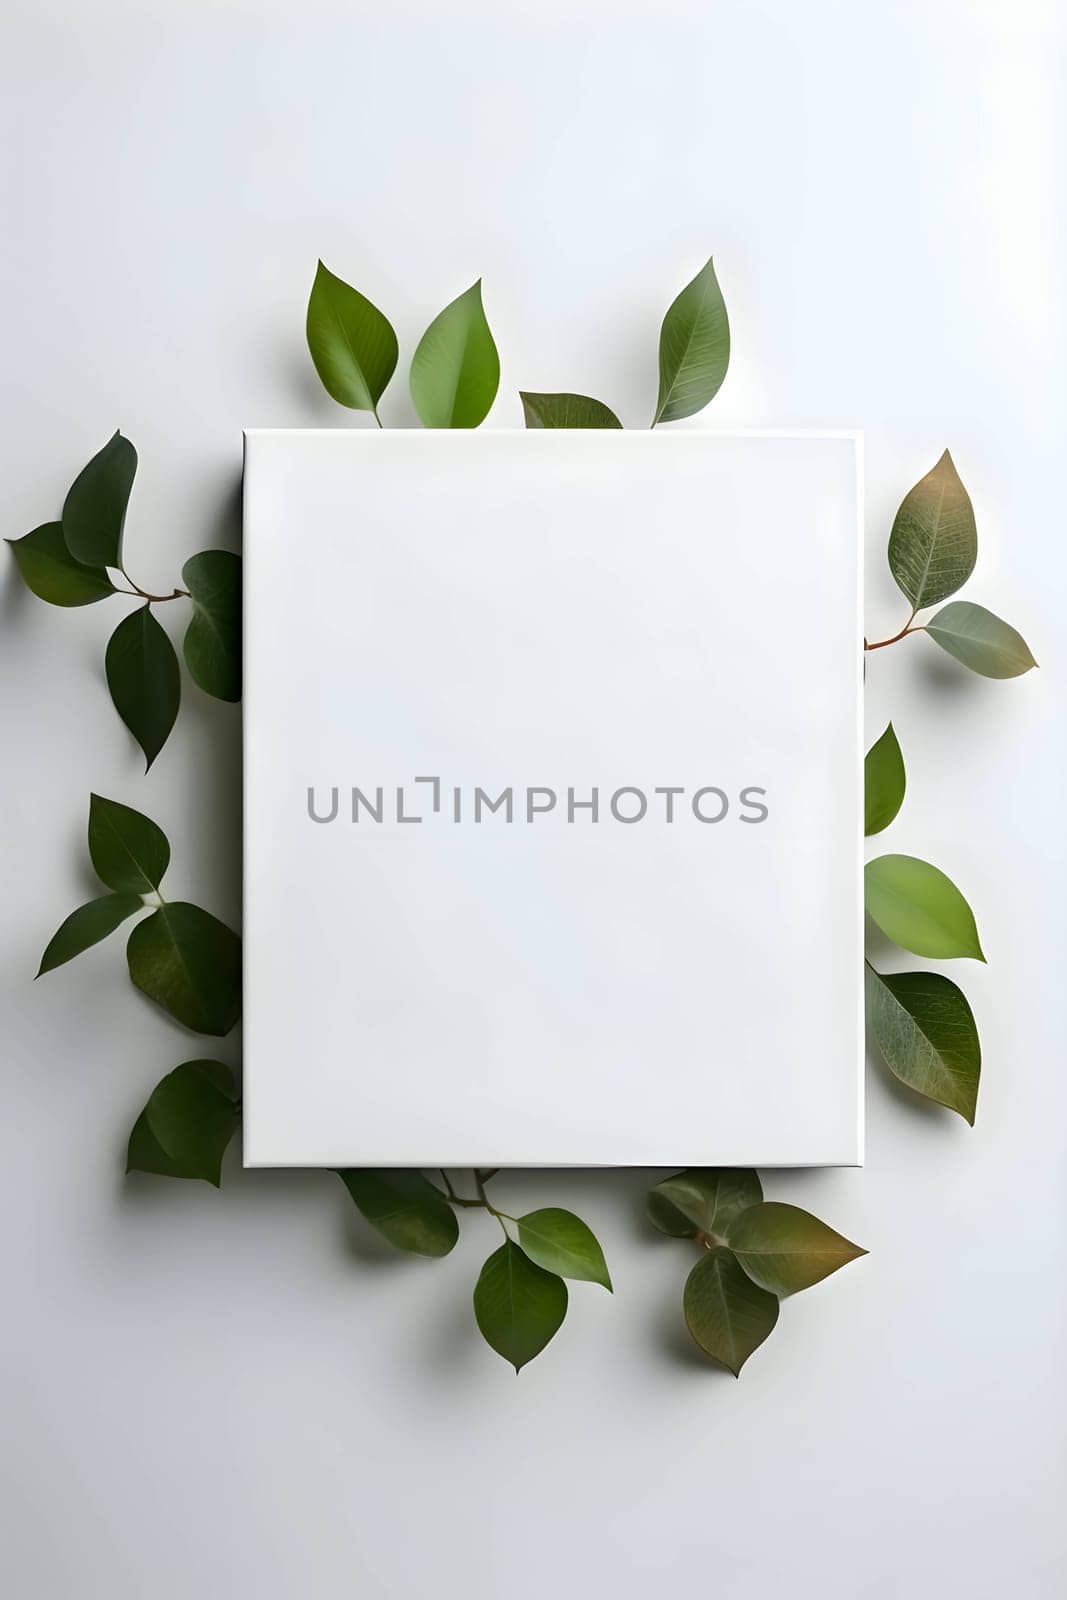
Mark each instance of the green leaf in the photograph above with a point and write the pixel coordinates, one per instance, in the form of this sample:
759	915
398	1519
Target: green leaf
144	680
926	1033
917	907
933	544
455	371
727	1314
884	782
87	926
980	640
566	411
212	645
352	344
694	349
702	1200
562	1243
518	1305
94	512
127	849
785	1249
49	569
190	964
405	1207
187	1123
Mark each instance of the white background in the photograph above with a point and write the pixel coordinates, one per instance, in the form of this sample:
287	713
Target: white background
241	1392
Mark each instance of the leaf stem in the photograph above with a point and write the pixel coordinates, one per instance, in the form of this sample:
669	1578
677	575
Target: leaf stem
142	594
880	644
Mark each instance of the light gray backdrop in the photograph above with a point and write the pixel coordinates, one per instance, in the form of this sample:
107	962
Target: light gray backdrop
240	1393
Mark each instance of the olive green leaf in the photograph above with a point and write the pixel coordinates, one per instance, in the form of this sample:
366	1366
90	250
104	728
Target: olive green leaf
702	1200
87	926
727	1314
190	964
49	569
933	544
94	512
785	1249
518	1306
562	1243
212	645
127	849
455	371
884	783
926	1033
980	640
917	907
144	680
352	344
404	1206
566	411
188	1121
694	349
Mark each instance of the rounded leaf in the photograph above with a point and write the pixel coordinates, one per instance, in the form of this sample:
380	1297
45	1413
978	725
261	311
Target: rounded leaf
127	849
405	1207
694	349
190	964
702	1200
981	641
455	372
518	1306
566	411
926	1033
187	1123
727	1314
884	782
212	645
933	544
94	512
51	572
785	1249
919	908
144	680
352	344
562	1243
87	926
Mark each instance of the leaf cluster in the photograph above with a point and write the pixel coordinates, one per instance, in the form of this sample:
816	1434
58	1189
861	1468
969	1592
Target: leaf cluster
80	560
755	1252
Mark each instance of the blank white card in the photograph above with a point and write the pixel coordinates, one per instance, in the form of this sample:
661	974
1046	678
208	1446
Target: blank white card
553	781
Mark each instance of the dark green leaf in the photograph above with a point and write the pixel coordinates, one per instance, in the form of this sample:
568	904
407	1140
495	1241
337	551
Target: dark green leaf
94	512
927	1036
702	1200
187	1123
455	371
213	638
49	569
405	1207
562	1243
728	1315
352	344
980	640
127	849
190	964
918	907
694	349
87	926
518	1305
933	544
785	1249
884	783
144	680
566	411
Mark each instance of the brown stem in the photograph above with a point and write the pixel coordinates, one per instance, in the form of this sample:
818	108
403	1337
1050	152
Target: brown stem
880	644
